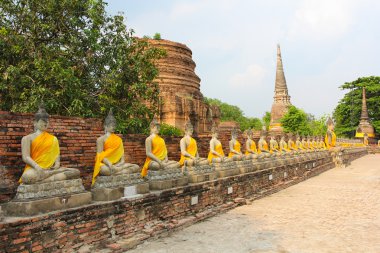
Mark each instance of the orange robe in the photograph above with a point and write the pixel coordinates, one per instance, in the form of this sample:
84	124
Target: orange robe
44	151
113	150
237	147
192	149
159	150
252	147
219	150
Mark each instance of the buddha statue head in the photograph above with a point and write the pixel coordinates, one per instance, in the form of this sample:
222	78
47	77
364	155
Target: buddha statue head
154	127
248	133
189	128
263	134
41	119
234	133
214	130
290	136
330	124
110	122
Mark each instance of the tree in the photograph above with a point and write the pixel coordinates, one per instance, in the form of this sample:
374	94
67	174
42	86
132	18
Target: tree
348	111
76	59
266	120
296	121
234	113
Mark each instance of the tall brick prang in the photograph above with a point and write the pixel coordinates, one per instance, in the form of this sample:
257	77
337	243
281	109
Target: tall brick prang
365	126
281	97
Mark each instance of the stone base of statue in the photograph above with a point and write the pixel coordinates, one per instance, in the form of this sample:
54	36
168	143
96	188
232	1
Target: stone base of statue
107	188
201	173
226	169
165	179
46	197
247	166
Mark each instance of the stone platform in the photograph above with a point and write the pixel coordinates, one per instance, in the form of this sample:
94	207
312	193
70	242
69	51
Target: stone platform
165	179
108	194
201	173
45	205
46	190
108	188
46	197
226	169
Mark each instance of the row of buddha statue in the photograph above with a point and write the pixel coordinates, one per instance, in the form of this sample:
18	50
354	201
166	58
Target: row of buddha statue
44	177
41	153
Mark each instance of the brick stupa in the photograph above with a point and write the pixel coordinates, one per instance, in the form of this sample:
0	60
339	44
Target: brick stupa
365	126
281	97
180	93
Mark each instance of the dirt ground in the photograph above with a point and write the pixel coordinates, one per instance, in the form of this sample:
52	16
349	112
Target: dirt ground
337	211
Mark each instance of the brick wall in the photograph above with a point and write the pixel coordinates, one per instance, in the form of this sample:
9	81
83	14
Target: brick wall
77	138
106	224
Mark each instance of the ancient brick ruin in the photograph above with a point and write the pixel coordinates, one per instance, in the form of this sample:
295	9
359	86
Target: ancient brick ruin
180	95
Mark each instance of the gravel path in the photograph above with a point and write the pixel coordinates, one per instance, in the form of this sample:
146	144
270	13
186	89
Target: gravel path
337	211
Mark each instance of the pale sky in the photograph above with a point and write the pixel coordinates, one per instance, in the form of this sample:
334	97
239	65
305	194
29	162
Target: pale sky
324	44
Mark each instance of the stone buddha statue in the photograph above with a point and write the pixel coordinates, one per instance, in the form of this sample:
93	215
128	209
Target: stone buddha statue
40	151
378	143
291	144
156	152
299	145
216	154
110	152
263	148
322	144
310	143
284	149
365	139
250	146
330	138
273	145
235	146
189	149
305	144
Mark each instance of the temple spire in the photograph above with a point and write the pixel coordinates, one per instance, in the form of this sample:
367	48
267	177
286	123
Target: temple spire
365	126
280	84
364	115
281	97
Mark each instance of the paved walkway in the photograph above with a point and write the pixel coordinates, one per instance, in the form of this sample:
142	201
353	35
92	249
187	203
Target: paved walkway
337	211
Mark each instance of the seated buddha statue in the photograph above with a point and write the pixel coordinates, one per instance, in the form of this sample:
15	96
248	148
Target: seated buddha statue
299	144
291	144
284	149
378	143
305	144
250	146
40	151
235	146
156	152
273	146
322	144
310	143
216	154
110	152
189	149
330	138
263	148
365	139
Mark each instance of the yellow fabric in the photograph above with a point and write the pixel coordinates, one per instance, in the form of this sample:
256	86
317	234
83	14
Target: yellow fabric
218	149
159	150
274	148
252	147
366	142
113	150
333	140
310	145
285	147
191	149
237	147
44	151
292	145
265	147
